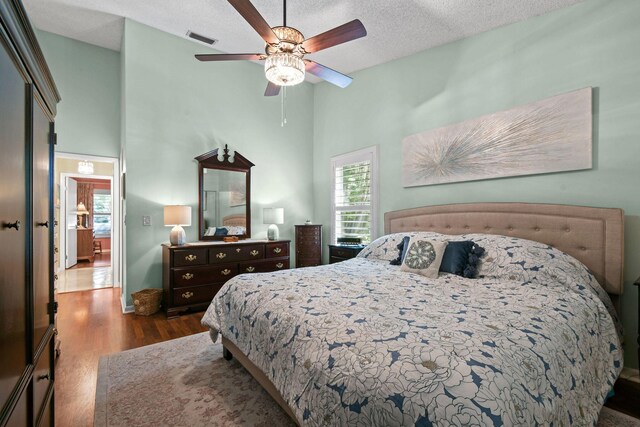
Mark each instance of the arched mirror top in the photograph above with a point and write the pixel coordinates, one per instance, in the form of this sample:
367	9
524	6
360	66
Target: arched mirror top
224	195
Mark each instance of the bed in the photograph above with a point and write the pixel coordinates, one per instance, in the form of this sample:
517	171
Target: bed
534	341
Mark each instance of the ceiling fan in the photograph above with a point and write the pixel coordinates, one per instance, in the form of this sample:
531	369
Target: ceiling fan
286	47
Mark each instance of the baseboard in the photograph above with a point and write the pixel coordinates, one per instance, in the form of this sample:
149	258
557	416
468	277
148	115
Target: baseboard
125	308
630	374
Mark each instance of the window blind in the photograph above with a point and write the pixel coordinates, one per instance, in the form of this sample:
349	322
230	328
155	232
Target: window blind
352	200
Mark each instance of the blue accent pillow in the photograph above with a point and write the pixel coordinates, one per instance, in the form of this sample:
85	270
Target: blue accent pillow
221	231
402	251
471	269
456	257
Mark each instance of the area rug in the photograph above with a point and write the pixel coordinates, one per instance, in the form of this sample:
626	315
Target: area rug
186	382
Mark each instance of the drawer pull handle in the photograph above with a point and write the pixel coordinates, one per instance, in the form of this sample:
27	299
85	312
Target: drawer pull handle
187	276
190	257
221	255
254	252
15	225
238	250
250	269
43	377
187	295
279	265
226	272
277	250
43	224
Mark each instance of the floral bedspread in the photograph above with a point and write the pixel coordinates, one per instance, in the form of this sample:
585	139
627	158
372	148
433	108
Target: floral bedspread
534	341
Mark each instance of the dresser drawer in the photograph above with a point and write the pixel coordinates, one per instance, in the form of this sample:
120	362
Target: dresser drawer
342	253
182	257
202	275
264	266
236	253
276	250
195	294
42	378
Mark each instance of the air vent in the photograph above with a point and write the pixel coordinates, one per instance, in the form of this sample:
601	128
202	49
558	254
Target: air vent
201	38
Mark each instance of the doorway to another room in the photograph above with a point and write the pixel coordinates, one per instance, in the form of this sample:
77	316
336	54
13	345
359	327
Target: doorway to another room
87	201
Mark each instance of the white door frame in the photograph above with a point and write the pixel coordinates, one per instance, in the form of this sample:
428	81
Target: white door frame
116	221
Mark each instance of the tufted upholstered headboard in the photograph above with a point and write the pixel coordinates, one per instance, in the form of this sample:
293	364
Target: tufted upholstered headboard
238	220
594	236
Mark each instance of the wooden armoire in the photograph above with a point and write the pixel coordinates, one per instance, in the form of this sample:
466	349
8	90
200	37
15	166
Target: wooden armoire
28	99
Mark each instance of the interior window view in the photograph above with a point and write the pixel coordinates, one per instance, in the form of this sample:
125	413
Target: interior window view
319	213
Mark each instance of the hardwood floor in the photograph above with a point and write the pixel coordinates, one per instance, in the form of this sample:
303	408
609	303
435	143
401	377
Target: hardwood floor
91	324
100	260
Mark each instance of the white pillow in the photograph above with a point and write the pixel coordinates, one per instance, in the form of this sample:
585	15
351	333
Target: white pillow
424	257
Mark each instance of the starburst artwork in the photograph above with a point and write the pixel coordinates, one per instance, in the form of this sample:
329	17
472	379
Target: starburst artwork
551	135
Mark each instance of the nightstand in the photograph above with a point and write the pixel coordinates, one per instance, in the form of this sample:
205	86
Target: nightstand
339	253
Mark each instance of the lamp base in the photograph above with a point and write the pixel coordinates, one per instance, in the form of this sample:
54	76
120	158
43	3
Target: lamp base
177	236
273	233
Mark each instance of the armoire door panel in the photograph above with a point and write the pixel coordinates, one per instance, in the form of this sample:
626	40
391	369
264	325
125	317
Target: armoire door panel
40	179
13	226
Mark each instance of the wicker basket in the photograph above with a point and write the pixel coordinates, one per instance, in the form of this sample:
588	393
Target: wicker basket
147	301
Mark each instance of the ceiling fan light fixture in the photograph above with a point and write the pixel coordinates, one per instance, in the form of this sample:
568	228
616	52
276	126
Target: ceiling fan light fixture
284	69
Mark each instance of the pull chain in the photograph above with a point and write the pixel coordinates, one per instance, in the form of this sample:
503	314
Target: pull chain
283	107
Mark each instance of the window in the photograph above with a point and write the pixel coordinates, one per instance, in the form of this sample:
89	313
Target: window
354	198
102	213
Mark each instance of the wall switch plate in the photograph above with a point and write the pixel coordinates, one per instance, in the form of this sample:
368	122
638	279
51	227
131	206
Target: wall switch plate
146	220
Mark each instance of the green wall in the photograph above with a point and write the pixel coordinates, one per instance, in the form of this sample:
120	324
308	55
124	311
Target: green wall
591	44
176	108
88	78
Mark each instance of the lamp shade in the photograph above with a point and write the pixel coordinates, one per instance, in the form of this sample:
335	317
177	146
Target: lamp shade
177	215
273	216
82	209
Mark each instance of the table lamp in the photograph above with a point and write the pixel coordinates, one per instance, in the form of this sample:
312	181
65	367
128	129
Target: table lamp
177	216
273	216
83	213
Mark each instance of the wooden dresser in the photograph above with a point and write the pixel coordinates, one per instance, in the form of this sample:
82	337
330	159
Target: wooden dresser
308	245
85	244
193	274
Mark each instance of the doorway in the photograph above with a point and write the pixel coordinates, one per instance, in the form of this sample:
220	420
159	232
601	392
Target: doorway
87	252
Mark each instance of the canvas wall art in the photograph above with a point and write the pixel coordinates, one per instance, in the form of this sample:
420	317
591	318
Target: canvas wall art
551	135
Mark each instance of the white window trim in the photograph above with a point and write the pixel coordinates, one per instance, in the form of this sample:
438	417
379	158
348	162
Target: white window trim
349	158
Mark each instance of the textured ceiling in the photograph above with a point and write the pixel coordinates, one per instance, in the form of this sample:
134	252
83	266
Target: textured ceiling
395	28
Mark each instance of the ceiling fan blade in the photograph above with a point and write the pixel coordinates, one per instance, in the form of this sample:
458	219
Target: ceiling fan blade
326	73
272	89
342	34
230	57
253	17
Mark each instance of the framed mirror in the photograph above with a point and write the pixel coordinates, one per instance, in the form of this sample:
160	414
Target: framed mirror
224	195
